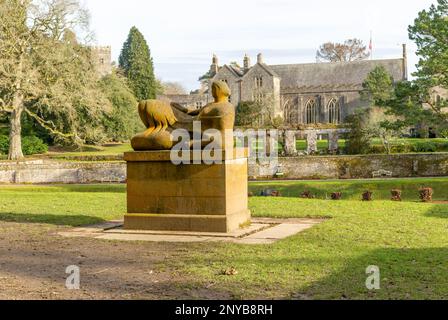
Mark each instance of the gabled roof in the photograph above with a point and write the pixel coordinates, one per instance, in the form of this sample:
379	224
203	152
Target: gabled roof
268	69
232	71
262	66
334	74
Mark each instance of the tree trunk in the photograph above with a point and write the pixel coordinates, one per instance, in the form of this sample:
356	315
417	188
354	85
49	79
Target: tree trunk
15	133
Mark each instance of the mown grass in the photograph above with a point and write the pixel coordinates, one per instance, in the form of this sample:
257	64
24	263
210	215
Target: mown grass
70	205
108	150
407	240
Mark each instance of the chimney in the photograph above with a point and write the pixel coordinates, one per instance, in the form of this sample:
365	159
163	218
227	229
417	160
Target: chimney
405	62
214	68
260	58
246	62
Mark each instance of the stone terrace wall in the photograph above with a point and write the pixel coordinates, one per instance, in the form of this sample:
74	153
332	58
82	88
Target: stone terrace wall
355	167
305	167
41	172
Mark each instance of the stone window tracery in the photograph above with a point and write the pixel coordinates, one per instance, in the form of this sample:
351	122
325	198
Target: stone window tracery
311	111
334	112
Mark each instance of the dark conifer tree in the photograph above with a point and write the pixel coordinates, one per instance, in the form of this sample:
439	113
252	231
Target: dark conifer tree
135	59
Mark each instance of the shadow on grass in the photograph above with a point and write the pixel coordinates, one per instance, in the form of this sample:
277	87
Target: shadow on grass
438	211
59	220
404	274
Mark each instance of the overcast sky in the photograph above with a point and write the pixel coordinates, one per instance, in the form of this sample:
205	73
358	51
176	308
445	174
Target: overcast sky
183	35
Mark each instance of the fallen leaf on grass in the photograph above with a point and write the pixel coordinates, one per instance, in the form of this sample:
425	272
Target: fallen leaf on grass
229	271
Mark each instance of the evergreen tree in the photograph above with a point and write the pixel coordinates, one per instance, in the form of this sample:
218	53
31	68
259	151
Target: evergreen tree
430	33
378	88
412	102
123	122
136	62
358	139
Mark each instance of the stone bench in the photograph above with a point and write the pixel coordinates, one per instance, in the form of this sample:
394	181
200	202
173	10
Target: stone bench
381	173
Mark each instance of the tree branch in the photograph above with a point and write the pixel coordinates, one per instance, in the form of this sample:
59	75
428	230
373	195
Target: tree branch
46	125
4	107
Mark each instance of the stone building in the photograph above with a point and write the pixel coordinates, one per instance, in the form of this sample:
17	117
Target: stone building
102	56
197	100
308	93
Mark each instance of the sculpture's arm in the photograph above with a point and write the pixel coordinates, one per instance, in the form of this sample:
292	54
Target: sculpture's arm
194	112
190	111
179	107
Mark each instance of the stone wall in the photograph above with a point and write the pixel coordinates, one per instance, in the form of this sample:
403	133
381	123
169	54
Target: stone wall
354	167
302	167
42	172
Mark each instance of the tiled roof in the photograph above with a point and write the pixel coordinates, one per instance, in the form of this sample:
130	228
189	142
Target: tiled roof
333	75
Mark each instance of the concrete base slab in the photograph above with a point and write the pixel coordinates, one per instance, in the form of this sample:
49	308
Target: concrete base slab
254	227
262	231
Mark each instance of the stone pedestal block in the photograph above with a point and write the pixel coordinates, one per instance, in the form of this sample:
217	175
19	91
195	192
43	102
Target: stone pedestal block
290	146
311	141
333	142
186	197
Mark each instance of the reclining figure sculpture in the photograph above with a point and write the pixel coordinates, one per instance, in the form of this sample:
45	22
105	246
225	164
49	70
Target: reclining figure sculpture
162	118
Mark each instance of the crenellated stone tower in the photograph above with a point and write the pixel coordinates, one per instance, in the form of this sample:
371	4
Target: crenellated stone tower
102	56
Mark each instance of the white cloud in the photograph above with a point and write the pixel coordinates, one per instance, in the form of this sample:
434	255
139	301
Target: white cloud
182	35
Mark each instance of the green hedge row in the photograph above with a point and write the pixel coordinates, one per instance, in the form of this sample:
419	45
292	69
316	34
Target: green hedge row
30	145
427	146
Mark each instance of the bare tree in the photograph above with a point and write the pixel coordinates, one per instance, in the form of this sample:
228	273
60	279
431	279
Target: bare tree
350	50
265	104
42	73
173	88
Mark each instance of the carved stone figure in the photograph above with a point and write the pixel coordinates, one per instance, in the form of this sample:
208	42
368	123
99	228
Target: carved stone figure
161	118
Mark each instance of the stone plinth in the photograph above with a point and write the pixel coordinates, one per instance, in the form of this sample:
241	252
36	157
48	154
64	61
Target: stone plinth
186	197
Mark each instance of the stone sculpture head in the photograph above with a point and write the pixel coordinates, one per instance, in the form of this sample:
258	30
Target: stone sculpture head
220	91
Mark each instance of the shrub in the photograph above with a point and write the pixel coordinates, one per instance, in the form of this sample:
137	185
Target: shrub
426	146
376	149
442	146
250	194
307	195
30	145
336	196
367	196
426	194
358	140
401	148
396	195
270	193
4	144
33	145
275	193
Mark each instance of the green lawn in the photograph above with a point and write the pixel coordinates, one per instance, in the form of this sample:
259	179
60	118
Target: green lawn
62	205
108	150
408	241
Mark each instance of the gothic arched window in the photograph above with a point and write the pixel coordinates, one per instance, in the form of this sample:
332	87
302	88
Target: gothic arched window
287	111
311	111
334	112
